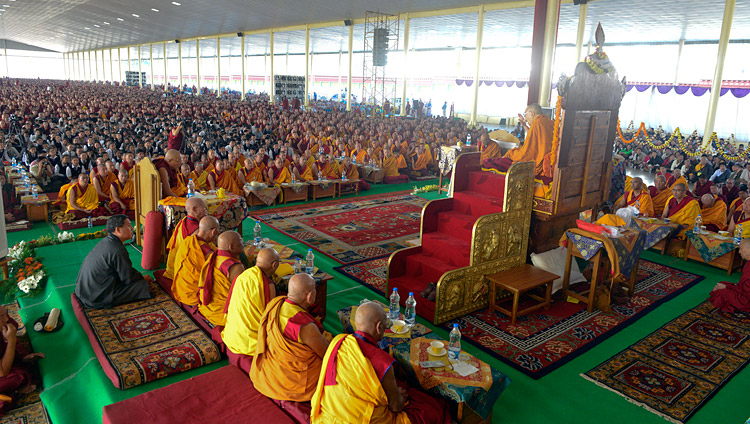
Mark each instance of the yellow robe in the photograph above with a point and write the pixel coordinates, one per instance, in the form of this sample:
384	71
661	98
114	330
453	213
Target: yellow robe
107	183
228	181
390	168
254	174
88	199
685	216
249	297
352	173
189	259
200	181
422	161
213	311
716	214
180	189
125	193
182	230
490	151
537	144
680	180
660	201
283	369
357	394
307	174
284	177
646	204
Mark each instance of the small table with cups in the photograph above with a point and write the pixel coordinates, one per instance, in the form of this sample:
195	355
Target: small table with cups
393	335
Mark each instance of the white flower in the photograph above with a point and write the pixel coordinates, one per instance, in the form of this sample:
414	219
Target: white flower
65	236
31	282
15	251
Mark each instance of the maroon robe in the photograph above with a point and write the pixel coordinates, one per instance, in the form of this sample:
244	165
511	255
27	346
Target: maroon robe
735	297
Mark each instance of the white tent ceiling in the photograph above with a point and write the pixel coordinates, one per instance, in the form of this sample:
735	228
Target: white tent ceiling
71	25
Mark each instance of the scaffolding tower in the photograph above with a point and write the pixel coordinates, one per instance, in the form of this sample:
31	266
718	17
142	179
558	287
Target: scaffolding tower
382	32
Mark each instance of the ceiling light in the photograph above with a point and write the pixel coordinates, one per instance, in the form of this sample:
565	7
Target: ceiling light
105	23
137	16
120	19
86	28
176	4
97	26
6	5
155	10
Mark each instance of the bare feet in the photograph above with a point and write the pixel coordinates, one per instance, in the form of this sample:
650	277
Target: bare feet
33	356
719	286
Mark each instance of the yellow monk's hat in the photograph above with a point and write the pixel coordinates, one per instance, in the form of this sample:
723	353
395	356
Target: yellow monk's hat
284	269
611	220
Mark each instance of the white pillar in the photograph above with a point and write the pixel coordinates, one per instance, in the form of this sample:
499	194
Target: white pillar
679	57
92	77
198	59
179	59
338	87
480	33
130	65
119	64
349	79
581	29
726	29
111	67
550	42
407	23
242	53
140	81
164	55
218	66
307	66
151	63
273	88
96	65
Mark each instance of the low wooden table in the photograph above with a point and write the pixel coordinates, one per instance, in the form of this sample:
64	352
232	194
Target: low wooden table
291	195
354	184
375	175
36	209
518	281
728	261
322	189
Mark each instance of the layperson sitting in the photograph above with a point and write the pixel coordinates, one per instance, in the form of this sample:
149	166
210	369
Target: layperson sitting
290	348
196	209
741	217
83	201
538	142
107	277
226	178
729	297
358	382
190	257
713	213
251	292
681	209
221	269
15	372
122	194
167	168
638	197
659	193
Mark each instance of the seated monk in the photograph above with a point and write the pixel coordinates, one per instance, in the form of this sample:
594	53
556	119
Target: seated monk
196	209
128	163
730	191
290	349
305	171
250	173
713	213
107	278
490	149
702	187
659	193
15	373
423	159
326	170
741	217
538	140
358	381
184	176
352	173
221	269
678	178
730	297
681	209
638	197
83	201
122	194
190	256
250	293
167	168
102	182
224	178
715	191
199	176
391	174
736	204
278	173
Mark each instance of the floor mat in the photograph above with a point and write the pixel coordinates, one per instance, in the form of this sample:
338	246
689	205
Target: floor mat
676	369
144	341
371	273
355	231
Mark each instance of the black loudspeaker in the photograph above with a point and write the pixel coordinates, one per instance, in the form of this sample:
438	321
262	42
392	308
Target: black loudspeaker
177	41
380	47
239	34
348	22
578	2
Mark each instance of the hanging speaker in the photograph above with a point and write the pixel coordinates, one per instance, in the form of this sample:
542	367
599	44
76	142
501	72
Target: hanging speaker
380	47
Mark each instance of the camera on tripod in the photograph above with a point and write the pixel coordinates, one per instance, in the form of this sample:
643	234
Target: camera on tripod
12	117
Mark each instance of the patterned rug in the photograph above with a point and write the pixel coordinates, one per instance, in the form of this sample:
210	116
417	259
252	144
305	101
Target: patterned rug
543	341
355	231
675	370
144	341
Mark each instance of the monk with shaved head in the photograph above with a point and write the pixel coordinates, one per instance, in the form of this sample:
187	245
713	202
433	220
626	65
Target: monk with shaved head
713	212
637	197
196	209
250	294
189	259
358	380
538	142
290	349
221	269
659	193
168	168
681	209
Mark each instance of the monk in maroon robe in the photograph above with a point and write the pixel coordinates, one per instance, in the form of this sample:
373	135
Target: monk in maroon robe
730	297
14	374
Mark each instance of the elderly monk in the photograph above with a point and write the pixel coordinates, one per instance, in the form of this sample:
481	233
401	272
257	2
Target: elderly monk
352	173
358	383
741	217
221	269
681	209
15	367
306	169
102	182
224	178
250	173
250	294
659	193
730	297
638	197
730	191
538	140
167	168
199	176
736	204
196	209
702	187
713	213
189	259
326	169
421	160
83	201
391	174
678	178
490	149
122	194
278	173
290	349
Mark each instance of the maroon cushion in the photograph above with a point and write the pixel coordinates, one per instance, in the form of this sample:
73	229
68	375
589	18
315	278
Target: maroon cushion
152	239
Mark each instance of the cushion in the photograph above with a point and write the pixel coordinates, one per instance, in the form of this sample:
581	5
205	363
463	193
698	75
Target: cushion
554	261
225	395
152	240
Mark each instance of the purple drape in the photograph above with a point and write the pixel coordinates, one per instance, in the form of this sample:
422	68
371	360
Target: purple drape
642	87
740	92
698	91
521	84
664	89
681	89
628	87
723	91
499	83
469	83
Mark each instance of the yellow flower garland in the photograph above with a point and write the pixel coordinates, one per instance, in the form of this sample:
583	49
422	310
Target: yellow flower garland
556	133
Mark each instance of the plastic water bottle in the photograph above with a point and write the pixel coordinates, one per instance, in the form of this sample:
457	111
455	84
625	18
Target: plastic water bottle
297	266
394	309
354	159
256	232
410	311
191	188
91	223
13	162
26	182
698	224
468	139
293	179
310	262
343	175
454	346
738	234
34	192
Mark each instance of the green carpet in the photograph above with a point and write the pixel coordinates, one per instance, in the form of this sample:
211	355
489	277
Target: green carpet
76	388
